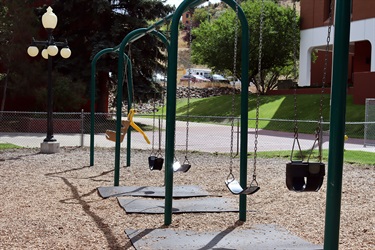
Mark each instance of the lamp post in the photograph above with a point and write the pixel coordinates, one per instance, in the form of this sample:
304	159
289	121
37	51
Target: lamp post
50	49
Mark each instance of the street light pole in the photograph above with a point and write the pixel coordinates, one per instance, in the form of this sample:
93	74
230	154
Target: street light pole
49	137
49	20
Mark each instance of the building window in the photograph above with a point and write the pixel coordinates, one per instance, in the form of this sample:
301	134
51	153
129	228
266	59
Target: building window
187	15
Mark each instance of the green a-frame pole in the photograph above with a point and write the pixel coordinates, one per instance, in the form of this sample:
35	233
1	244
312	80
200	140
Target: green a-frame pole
337	123
171	106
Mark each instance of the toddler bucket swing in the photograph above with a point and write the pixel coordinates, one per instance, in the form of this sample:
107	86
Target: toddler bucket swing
306	176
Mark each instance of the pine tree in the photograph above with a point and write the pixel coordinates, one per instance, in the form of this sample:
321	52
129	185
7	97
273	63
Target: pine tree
91	26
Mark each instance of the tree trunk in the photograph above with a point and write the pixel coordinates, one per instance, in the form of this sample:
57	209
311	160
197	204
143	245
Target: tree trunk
102	91
4	94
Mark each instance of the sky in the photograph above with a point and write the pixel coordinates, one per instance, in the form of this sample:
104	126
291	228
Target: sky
178	2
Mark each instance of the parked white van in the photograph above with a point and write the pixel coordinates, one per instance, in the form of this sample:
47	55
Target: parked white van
202	72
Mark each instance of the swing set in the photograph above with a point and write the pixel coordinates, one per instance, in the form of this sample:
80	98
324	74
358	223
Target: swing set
171	163
301	175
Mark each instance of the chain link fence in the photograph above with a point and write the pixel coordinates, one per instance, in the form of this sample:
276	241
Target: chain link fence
208	133
370	122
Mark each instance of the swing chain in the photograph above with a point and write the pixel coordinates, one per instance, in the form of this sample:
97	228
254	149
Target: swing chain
233	92
258	90
295	70
153	124
154	106
295	130
191	10
163	94
186	161
130	59
161	117
294	35
324	78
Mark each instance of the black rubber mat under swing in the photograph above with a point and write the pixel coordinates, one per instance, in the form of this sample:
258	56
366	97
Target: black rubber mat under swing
200	205
156	192
260	237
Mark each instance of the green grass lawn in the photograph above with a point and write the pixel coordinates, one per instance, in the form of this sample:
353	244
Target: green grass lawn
280	107
350	156
273	107
8	146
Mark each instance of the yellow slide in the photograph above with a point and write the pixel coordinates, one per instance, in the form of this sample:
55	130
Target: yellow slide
135	126
111	135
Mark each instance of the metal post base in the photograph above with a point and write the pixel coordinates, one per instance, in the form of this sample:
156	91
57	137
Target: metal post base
49	147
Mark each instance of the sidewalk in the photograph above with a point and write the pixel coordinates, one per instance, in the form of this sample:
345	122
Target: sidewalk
202	137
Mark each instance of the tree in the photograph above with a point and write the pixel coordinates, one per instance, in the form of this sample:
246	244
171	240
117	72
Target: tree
14	39
214	42
89	26
199	15
104	24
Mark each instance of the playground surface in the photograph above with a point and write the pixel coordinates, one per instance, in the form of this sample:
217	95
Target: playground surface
52	202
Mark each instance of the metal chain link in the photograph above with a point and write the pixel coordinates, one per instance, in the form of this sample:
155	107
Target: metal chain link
163	96
162	112
294	38
125	77
324	78
154	107
258	92
233	91
153	124
295	130
295	70
130	59
189	88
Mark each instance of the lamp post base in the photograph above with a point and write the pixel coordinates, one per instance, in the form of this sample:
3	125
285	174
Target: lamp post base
49	147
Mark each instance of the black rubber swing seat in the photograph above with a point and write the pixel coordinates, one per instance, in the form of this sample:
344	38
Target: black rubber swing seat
235	187
155	163
304	176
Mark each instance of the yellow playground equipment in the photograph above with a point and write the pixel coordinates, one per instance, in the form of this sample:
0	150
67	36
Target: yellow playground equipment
111	134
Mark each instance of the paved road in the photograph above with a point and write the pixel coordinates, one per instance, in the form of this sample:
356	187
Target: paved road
202	137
